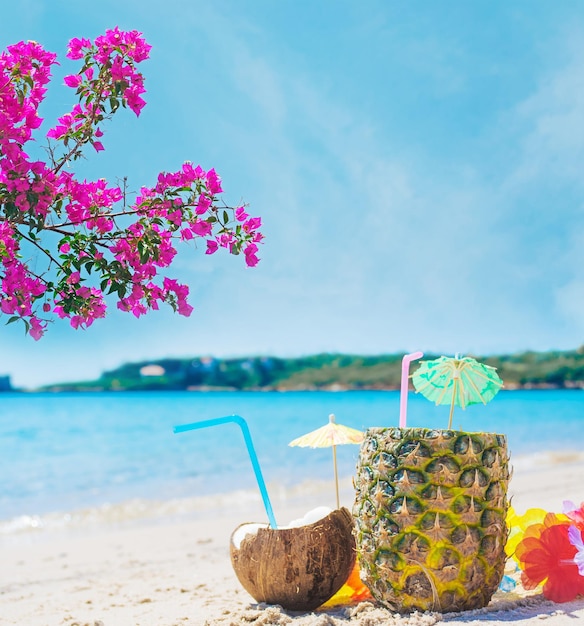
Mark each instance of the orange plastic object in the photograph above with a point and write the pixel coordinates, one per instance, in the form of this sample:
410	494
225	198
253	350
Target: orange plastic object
351	592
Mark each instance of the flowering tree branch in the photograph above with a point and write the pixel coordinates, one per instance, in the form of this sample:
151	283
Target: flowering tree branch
95	244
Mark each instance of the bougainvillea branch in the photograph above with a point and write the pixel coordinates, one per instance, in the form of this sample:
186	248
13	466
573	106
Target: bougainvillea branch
89	242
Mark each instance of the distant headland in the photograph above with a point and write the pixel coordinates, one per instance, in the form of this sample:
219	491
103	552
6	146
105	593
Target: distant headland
320	372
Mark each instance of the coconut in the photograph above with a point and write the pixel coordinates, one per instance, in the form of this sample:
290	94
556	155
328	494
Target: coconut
299	567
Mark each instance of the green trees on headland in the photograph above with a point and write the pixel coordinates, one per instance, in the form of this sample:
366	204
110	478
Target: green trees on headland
556	369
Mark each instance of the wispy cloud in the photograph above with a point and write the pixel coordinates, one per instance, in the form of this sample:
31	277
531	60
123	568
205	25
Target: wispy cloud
390	233
552	124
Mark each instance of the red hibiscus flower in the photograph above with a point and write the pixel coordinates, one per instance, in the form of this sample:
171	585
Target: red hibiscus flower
546	555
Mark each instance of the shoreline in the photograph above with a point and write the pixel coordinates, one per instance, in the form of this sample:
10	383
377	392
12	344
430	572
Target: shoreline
332	388
170	572
156	511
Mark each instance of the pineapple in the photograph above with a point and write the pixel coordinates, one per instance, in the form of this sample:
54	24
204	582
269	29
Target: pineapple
430	511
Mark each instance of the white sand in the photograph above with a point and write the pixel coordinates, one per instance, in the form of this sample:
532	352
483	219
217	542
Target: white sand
179	573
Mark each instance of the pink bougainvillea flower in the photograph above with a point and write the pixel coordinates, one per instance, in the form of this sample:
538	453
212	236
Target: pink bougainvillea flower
102	224
77	48
175	217
37	328
253	223
57	132
212	246
214	182
73	80
546	556
251	259
186	234
203	204
240	214
136	45
202	228
184	308
181	292
133	98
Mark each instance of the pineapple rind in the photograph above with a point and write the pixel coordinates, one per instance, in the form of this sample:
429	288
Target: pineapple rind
430	512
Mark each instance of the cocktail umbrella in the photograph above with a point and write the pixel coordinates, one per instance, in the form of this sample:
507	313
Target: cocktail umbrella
331	435
456	381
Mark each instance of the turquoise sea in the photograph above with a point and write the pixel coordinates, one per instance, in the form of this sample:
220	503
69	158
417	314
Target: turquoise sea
67	455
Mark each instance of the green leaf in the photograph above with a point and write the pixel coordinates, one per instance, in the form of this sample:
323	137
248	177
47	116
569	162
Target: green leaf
144	255
13	319
121	290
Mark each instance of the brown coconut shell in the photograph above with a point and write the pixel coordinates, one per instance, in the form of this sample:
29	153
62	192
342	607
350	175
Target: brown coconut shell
297	568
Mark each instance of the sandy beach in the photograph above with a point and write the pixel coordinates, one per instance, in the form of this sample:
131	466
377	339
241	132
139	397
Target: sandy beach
178	572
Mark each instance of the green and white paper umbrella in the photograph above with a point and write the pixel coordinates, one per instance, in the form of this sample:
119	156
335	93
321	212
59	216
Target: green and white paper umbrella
456	381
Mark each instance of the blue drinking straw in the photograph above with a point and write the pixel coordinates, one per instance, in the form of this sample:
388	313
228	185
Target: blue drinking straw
250	449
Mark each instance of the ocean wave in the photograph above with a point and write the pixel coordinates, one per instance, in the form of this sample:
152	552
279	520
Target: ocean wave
537	460
308	493
140	510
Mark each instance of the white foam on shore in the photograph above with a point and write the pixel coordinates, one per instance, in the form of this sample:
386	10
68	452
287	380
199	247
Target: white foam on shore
136	511
311	493
537	460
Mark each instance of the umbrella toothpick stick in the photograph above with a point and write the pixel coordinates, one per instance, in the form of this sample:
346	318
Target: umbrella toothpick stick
331	435
336	476
450	416
454	390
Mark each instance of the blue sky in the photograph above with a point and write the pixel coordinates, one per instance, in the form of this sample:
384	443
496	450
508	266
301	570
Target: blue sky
419	168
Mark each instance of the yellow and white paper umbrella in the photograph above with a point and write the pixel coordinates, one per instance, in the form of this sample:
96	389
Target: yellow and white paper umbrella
331	435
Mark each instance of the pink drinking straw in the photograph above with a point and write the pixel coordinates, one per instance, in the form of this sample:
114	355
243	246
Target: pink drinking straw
403	398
